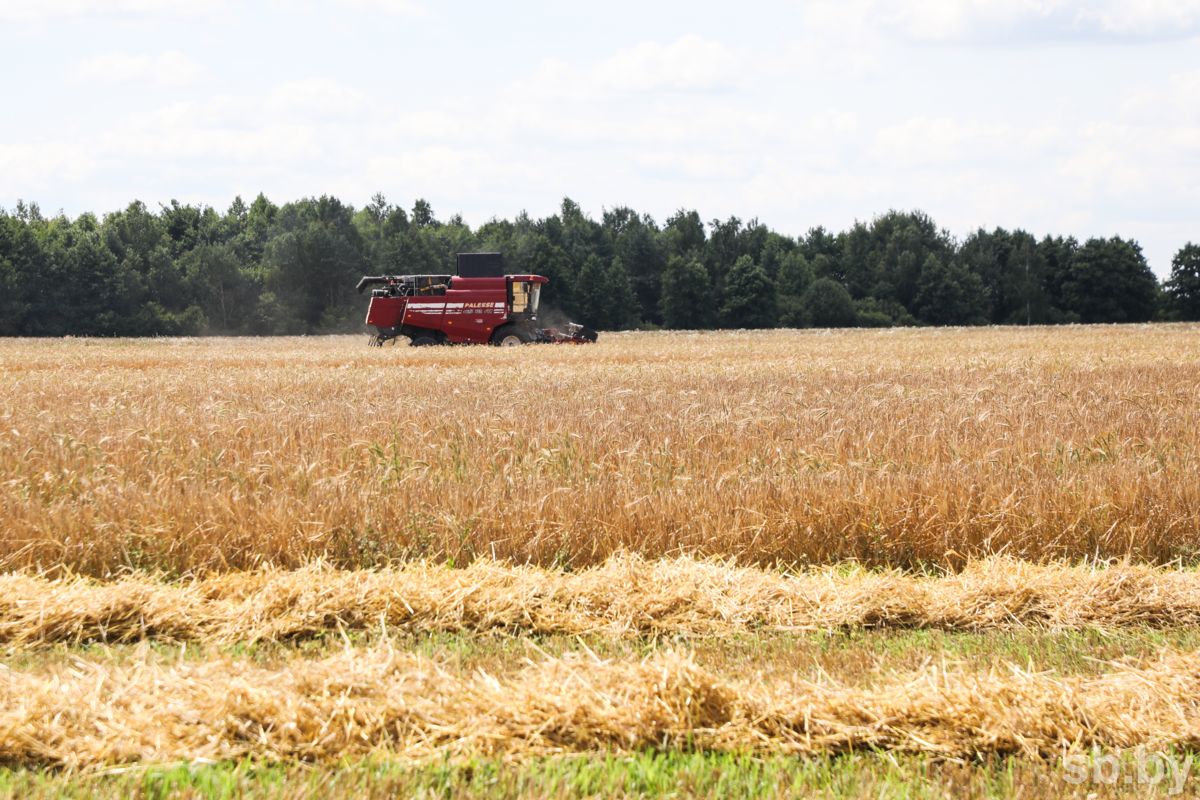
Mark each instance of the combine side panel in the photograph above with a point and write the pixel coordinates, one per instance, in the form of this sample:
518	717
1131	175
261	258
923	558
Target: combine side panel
386	312
425	312
474	308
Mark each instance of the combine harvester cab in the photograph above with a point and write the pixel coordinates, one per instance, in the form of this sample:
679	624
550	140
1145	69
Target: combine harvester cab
479	305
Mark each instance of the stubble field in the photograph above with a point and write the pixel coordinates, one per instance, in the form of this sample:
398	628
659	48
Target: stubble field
855	563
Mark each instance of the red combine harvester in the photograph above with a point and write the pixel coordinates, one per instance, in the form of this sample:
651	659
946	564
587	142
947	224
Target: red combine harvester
479	305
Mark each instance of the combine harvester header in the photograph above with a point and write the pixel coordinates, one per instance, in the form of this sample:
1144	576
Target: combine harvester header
479	305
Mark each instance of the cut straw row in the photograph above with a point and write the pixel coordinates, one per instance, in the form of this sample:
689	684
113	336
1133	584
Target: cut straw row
626	595
381	701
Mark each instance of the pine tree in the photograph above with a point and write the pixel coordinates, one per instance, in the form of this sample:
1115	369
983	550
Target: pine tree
622	309
795	276
686	295
590	294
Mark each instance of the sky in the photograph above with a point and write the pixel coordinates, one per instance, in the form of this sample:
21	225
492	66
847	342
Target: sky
1072	117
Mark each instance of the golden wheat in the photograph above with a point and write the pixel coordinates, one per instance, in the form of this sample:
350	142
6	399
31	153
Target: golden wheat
889	447
626	595
361	702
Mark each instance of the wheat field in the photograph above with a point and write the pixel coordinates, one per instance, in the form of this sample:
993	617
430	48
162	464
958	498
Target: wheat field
891	448
966	544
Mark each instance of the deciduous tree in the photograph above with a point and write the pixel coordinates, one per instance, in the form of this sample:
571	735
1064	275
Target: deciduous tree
1183	287
749	296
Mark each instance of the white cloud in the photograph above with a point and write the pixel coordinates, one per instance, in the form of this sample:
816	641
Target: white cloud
697	165
951	21
298	123
164	69
28	166
947	141
1176	101
1100	165
1126	161
227	130
685	65
315	98
402	8
37	11
690	63
49	10
429	125
1143	18
954	19
466	169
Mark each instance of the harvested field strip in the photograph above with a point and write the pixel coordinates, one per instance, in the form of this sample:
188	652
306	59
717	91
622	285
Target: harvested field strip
693	775
624	595
381	700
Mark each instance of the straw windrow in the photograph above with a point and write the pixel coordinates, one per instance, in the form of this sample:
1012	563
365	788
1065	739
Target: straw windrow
627	595
362	702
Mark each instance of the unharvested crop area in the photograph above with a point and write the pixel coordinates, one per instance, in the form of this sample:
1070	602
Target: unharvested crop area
895	448
809	562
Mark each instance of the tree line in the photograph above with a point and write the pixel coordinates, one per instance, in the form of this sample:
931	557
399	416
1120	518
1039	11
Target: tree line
260	268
